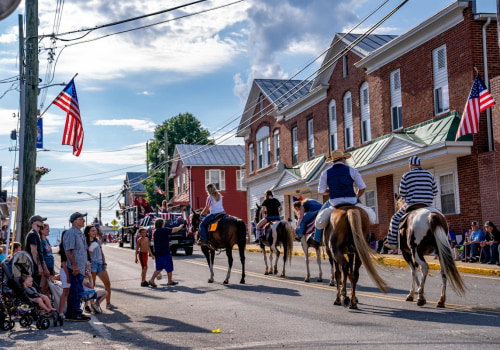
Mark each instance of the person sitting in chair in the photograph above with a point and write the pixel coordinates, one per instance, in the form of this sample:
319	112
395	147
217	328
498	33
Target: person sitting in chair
214	205
338	183
306	210
271	208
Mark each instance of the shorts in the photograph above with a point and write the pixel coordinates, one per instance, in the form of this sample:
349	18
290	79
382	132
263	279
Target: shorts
143	259
97	268
165	262
64	281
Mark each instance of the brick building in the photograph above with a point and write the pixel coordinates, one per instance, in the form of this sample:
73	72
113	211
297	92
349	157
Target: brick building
195	166
384	98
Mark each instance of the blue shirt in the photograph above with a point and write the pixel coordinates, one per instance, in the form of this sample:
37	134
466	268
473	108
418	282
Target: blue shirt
74	240
161	241
477	235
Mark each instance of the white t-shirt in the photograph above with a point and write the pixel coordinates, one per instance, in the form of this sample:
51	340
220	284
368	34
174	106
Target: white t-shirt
215	207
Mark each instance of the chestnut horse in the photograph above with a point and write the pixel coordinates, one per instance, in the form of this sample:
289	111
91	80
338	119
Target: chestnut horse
422	231
230	231
277	233
349	231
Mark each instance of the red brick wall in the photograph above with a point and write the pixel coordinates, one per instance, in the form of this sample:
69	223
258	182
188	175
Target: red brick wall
386	205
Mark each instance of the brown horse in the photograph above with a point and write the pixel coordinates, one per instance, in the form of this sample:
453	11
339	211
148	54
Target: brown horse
422	231
349	231
277	233
230	231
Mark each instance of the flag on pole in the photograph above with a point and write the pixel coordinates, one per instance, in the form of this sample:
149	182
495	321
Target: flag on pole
159	190
73	129
479	100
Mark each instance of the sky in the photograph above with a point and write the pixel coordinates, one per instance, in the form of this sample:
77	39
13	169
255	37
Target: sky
130	82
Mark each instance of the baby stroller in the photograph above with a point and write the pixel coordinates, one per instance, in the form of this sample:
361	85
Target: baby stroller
6	321
19	304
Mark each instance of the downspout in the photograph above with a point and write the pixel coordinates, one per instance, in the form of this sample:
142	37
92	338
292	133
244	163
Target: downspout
488	111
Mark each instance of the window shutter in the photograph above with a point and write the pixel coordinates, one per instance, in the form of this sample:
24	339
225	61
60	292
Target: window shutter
223	180
207	177
238	180
396	81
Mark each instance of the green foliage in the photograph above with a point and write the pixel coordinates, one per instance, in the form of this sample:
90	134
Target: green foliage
181	129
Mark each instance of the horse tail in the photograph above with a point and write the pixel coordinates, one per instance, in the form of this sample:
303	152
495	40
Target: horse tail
241	231
288	241
445	255
364	251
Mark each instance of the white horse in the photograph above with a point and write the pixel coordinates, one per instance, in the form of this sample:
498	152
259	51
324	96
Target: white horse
305	243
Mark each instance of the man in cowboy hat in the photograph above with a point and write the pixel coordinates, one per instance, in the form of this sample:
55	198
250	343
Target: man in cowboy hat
338	183
417	186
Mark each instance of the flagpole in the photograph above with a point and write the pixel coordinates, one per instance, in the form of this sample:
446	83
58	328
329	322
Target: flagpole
50	104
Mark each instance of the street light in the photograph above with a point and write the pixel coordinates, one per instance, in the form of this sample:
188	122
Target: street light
96	198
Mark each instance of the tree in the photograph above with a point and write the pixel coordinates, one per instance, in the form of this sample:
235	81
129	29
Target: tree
181	129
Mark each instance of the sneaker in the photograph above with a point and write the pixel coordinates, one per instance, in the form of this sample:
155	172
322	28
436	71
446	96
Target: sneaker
111	307
87	309
145	284
79	318
96	308
173	283
152	284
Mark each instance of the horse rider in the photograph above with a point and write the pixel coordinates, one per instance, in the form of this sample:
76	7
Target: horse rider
271	208
214	205
417	186
306	210
340	180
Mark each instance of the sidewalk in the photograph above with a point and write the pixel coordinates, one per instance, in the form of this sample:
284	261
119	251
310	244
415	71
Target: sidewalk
398	260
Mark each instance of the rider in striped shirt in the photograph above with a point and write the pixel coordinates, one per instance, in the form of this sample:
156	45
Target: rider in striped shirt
417	186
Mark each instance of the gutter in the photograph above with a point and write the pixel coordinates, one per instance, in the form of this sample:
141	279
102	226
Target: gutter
485	61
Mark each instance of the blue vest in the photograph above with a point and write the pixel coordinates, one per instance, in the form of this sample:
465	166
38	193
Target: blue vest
339	181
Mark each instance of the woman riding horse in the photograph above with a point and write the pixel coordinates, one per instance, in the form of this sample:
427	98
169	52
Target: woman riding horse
214	205
306	211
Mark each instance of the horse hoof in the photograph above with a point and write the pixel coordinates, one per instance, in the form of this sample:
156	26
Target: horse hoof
421	302
266	273
210	281
307	280
275	272
337	302
226	282
242	282
332	284
440	305
283	274
347	300
409	298
320	280
353	306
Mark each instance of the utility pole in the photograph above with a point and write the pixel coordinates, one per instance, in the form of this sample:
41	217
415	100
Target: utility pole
100	208
147	157
22	118
166	165
31	91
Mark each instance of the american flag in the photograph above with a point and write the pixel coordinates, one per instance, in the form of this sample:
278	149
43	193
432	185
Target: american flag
479	100
159	190
73	129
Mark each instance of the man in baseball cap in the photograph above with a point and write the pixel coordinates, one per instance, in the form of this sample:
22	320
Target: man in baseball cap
75	216
33	247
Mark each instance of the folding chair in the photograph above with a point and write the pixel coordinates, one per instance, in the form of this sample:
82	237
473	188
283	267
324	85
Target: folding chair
90	297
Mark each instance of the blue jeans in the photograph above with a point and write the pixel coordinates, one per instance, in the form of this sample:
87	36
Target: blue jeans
471	250
204	226
75	295
319	233
308	217
490	252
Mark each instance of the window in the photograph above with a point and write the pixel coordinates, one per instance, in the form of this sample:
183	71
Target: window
295	146
250	158
440	72
216	177
261	105
396	105
263	147
276	146
240	177
345	71
447	189
371	201
310	138
178	184
183	182
348	120
365	113
332	111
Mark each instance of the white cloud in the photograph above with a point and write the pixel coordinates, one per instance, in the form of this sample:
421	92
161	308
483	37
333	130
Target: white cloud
136	124
145	93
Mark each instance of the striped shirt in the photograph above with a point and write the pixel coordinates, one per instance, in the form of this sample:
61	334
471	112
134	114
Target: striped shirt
418	185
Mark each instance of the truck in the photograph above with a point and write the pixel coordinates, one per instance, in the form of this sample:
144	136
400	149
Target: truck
182	239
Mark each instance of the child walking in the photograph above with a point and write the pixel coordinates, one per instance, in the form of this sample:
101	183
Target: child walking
142	251
42	300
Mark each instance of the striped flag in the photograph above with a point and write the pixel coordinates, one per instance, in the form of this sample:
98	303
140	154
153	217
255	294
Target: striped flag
479	100
159	190
73	129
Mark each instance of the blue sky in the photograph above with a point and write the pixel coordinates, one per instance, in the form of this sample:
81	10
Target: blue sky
128	83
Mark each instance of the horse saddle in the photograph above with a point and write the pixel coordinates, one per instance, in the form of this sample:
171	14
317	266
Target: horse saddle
213	224
408	210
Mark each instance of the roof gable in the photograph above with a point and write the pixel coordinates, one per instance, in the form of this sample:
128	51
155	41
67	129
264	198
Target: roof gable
134	180
211	155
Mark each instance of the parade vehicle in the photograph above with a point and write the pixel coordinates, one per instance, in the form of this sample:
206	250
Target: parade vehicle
181	239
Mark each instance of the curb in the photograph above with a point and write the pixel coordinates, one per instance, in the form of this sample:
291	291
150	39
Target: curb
395	262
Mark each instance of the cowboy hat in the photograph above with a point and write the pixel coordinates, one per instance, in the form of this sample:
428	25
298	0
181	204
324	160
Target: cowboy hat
336	155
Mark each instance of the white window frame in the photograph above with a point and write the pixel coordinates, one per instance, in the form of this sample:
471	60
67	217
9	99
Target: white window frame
263	147
310	138
332	120
396	103
364	96
240	177
440	77
345	69
348	132
373	205
295	146
220	174
184	185
276	141
454	192
178	184
251	159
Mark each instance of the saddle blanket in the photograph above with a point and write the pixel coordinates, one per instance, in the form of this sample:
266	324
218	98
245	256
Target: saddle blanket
310	227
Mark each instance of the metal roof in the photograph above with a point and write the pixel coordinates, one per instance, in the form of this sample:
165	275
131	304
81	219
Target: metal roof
283	92
308	169
134	181
370	43
196	155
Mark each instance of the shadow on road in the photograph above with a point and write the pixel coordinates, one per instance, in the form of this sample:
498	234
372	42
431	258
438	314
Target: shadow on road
262	289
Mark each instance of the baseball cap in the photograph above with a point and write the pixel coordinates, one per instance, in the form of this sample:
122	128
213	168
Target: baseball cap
488	223
76	215
36	218
475	223
414	161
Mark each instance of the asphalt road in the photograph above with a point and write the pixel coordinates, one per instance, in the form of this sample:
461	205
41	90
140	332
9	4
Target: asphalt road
270	312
